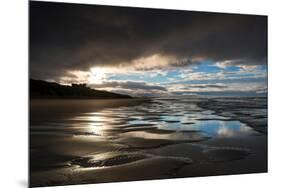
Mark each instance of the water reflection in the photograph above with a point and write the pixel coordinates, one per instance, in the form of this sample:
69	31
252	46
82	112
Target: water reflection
138	121
161	119
97	123
223	128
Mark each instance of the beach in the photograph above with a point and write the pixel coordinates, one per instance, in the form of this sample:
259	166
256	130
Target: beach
113	140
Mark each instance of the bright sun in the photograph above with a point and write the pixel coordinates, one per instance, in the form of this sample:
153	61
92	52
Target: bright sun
97	75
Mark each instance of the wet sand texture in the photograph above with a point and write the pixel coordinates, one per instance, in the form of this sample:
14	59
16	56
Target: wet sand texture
96	141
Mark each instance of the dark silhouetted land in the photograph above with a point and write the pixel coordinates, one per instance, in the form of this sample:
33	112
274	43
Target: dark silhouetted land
43	89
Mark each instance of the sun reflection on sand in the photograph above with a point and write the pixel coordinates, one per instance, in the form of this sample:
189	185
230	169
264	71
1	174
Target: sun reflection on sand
99	123
94	123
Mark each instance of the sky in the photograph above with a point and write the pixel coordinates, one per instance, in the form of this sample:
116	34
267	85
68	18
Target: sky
148	52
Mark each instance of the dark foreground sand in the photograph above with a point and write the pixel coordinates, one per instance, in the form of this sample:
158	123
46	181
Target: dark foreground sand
95	141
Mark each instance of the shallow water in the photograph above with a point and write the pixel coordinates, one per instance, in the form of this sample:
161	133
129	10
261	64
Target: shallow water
91	135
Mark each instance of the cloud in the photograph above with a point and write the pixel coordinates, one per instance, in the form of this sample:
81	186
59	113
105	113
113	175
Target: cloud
128	85
243	72
133	88
65	37
196	87
241	63
204	86
219	87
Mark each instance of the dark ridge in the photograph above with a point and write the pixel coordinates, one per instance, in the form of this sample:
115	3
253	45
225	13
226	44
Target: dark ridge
43	89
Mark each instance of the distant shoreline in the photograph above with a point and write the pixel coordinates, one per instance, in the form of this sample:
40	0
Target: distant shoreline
78	98
98	99
40	89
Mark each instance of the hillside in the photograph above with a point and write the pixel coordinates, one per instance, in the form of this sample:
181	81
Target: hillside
43	89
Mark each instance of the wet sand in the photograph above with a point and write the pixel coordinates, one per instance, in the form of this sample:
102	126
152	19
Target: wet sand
96	141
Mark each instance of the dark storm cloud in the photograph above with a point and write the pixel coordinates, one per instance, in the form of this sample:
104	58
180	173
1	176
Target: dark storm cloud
72	36
128	85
